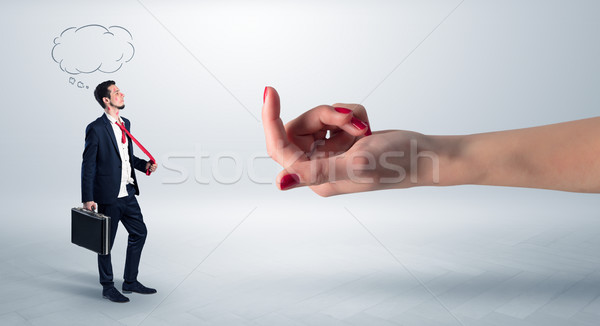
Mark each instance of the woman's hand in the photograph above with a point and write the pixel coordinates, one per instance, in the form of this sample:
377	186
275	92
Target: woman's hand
352	159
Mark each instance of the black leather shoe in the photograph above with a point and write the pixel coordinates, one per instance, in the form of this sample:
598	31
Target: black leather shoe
114	295
137	287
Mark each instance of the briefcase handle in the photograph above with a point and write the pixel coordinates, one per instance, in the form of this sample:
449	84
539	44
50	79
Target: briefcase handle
90	210
100	215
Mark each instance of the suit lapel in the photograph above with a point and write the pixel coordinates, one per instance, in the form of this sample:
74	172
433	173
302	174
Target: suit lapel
111	134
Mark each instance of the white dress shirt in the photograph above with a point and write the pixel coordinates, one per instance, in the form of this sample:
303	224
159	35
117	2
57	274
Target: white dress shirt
125	165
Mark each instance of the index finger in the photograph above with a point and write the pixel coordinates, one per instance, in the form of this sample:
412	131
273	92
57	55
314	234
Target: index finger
279	147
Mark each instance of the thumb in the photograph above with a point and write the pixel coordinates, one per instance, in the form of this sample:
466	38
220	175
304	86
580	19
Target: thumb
318	171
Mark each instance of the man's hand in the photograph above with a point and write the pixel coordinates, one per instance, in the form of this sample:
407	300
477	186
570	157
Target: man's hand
90	205
151	167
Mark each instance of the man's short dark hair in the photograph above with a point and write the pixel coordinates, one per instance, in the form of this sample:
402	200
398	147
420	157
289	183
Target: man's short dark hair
102	91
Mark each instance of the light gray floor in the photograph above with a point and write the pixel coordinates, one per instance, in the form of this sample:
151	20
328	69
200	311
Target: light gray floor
455	256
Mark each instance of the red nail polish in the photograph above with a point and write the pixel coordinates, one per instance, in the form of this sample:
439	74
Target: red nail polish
288	181
343	110
265	94
358	124
368	133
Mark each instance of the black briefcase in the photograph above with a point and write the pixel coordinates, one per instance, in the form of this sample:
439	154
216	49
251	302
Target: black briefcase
90	230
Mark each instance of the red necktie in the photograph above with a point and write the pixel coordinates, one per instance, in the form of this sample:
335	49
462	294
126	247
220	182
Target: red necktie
125	131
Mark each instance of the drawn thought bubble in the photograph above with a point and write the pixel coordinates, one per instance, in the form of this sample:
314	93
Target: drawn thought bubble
84	50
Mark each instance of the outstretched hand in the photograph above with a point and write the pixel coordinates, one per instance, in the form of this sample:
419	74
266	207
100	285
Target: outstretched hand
351	159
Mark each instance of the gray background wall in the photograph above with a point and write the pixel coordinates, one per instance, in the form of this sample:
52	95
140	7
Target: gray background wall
199	70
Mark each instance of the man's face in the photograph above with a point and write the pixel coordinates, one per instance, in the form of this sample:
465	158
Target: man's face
116	97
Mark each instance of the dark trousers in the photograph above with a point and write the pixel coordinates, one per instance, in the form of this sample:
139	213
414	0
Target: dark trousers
127	210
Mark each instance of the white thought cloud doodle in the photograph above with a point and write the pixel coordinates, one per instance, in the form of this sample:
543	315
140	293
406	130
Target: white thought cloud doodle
91	48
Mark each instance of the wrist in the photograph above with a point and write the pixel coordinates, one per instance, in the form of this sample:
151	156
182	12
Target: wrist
458	160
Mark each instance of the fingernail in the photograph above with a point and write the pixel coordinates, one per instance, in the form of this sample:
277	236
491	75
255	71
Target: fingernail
368	133
265	94
288	181
343	110
358	124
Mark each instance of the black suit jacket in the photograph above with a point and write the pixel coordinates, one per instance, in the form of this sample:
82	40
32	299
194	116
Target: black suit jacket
101	167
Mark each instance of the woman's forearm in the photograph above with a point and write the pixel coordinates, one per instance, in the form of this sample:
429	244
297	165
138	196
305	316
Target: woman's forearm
563	156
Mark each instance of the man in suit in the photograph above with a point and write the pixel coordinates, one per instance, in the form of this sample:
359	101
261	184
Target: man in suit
108	181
